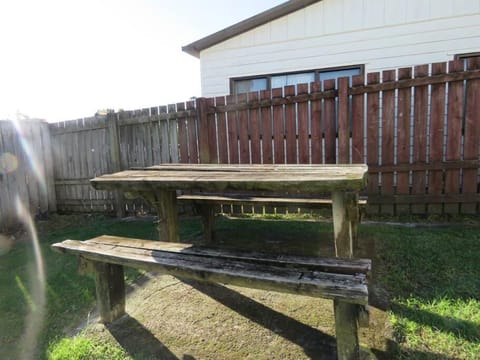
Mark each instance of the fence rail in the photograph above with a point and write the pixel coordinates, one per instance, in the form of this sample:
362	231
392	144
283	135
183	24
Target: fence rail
417	128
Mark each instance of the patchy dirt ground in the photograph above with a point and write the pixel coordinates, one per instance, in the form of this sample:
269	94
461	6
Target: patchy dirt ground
173	319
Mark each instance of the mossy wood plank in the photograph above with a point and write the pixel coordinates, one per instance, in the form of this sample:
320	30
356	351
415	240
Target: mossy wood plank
348	288
300	179
325	264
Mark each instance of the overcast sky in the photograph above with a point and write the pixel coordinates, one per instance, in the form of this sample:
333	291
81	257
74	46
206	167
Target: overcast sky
65	59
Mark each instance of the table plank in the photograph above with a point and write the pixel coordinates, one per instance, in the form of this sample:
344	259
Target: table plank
288	178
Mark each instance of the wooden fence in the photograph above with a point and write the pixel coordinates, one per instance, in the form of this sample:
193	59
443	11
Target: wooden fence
26	170
89	147
417	128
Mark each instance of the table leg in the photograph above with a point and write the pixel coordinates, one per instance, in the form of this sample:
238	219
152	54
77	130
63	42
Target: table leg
346	314
353	212
207	212
165	202
342	224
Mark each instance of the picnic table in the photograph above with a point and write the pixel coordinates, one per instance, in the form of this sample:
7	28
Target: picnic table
342	279
159	185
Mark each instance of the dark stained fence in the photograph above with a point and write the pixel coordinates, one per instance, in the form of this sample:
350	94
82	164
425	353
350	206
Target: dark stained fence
417	129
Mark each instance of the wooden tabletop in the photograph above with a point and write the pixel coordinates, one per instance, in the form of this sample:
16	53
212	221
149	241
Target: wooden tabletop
219	177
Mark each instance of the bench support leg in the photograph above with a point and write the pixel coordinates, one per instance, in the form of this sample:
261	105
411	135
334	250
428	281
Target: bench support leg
207	212
346	330
110	288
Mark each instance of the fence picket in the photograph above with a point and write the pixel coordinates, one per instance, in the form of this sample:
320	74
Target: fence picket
290	127
192	129
403	139
472	138
221	132
419	183
358	123
330	123
182	135
278	129
372	139
437	121
254	127
316	125
267	129
343	122
454	134
388	125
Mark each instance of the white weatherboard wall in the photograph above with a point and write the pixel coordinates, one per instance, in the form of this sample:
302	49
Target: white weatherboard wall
380	34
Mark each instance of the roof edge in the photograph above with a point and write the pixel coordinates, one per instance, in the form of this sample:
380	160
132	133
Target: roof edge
245	25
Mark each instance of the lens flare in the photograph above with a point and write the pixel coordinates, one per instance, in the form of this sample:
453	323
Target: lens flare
8	163
35	164
37	294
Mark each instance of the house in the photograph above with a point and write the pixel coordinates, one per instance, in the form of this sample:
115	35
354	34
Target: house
305	40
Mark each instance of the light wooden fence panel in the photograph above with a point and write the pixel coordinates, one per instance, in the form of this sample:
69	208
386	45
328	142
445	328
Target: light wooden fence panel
26	170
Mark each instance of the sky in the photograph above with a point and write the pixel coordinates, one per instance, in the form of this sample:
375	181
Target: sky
65	59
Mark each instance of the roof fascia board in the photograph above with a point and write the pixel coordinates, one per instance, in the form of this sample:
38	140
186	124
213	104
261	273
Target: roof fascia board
246	25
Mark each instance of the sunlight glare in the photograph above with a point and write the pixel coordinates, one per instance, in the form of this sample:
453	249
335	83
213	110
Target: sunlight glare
8	163
35	317
32	158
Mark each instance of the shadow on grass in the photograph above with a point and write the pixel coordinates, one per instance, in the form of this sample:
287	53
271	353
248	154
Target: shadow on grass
394	352
138	341
316	344
467	330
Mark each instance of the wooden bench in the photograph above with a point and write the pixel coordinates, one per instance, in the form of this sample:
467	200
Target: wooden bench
206	203
342	280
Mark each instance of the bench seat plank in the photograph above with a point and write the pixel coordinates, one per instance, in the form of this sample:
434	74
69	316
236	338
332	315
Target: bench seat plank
314	263
234	271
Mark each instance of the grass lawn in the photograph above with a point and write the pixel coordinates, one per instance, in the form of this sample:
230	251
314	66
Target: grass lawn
426	278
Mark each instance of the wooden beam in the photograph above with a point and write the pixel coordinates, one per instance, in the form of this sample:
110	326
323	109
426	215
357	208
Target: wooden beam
110	289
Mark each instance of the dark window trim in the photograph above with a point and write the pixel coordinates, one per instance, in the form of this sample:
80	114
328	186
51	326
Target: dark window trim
316	71
466	55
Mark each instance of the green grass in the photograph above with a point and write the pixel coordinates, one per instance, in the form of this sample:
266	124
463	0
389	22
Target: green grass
430	274
70	296
81	348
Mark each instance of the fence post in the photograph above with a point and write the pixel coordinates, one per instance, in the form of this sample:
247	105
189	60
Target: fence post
114	141
203	133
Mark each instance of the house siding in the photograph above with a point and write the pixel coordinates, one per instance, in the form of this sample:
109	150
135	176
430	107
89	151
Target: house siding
380	34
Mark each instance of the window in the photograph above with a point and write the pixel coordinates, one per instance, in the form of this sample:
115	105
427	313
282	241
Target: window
266	82
467	56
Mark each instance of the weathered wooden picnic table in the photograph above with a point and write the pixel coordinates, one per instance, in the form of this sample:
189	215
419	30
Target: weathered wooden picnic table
159	186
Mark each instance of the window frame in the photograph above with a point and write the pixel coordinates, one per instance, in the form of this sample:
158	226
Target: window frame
466	55
315	71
